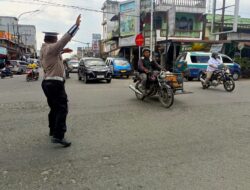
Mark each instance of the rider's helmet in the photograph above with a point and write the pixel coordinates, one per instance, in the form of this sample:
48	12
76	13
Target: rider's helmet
215	55
145	49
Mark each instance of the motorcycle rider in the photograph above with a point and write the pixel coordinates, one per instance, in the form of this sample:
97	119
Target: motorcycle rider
213	64
145	66
6	68
66	67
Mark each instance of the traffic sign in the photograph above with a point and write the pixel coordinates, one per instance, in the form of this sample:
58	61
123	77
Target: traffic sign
139	40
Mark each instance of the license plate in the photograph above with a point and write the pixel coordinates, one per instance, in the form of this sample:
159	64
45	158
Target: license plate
123	71
100	76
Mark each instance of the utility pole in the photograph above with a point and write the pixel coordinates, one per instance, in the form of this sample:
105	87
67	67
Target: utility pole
151	29
82	43
222	20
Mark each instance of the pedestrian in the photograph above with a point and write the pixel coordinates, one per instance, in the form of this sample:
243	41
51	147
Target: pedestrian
66	67
53	82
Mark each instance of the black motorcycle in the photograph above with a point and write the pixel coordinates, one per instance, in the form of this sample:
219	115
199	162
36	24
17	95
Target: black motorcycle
154	85
220	76
6	72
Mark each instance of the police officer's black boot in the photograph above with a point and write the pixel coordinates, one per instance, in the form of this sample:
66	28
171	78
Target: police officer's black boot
51	133
63	141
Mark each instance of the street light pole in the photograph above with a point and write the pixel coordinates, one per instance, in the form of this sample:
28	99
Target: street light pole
18	18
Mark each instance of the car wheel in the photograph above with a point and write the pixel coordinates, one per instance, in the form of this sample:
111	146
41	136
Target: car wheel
190	78
127	76
108	80
85	79
236	76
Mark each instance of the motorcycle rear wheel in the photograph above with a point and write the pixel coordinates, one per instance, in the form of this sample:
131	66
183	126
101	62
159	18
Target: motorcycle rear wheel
166	97
229	85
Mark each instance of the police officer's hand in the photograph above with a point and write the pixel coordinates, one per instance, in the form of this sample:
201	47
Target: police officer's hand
146	71
67	50
78	20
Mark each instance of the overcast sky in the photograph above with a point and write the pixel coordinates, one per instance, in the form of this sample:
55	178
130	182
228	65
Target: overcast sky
60	19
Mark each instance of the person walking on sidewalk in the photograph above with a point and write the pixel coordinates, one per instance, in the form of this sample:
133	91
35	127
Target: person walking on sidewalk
54	79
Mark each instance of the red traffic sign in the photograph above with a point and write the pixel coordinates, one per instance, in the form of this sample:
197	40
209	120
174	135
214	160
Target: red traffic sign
139	40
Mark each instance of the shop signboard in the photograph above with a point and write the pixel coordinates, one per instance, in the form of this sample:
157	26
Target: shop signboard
3	51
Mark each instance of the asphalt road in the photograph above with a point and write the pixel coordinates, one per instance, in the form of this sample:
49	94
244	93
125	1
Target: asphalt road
118	142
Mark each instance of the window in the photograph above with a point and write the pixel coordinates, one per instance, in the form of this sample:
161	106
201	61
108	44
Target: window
158	22
183	23
226	60
199	59
190	24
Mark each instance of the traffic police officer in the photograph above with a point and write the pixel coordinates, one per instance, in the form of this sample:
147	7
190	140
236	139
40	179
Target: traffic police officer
53	83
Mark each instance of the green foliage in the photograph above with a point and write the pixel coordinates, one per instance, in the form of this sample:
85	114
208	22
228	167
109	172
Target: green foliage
245	66
244	62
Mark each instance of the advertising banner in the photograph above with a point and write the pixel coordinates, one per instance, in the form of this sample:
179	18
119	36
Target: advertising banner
3	51
128	18
5	35
95	42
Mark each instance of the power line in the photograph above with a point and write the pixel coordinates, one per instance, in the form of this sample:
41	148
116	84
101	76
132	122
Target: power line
41	2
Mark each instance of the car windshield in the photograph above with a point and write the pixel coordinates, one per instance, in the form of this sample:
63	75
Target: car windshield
73	62
94	63
121	62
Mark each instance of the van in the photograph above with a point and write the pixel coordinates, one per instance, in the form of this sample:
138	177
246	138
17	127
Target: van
193	63
119	66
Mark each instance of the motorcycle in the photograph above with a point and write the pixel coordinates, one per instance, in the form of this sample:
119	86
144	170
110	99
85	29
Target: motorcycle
32	74
6	72
220	76
154	85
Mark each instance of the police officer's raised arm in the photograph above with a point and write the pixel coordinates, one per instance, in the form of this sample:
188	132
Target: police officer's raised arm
60	44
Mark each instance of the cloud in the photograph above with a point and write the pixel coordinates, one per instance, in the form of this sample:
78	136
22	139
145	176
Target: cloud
58	19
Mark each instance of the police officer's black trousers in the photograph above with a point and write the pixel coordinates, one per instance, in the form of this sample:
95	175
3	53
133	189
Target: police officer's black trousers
58	103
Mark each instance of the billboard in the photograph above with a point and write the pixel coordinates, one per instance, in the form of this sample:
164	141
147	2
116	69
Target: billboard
6	35
128	18
95	42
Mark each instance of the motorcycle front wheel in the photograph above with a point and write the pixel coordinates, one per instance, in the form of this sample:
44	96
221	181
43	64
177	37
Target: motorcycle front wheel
166	97
229	85
139	96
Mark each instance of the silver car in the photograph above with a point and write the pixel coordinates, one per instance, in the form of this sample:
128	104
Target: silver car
18	66
73	66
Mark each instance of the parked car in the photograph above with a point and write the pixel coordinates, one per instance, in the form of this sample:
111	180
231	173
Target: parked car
73	65
195	62
18	66
93	69
119	66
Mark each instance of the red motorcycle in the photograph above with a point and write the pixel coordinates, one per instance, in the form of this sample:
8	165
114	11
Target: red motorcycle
32	75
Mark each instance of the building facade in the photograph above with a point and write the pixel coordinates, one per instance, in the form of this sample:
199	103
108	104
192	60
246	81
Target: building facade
19	40
27	37
9	37
110	27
